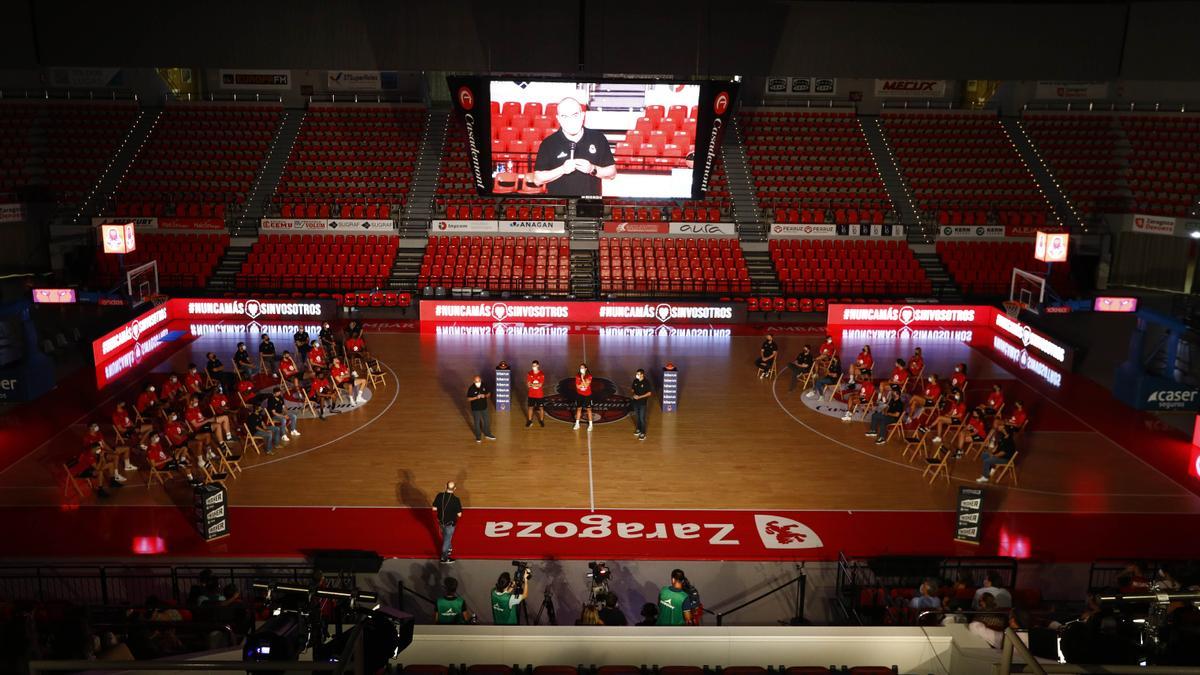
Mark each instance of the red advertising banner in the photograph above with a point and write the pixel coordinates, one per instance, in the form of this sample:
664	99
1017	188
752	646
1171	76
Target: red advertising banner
113	343
170	223
624	227
905	315
253	309
489	311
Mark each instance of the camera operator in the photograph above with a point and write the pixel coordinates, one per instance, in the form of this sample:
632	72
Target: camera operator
610	614
508	595
672	600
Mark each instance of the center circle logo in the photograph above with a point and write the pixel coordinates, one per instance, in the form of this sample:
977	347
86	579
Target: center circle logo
607	404
721	103
465	98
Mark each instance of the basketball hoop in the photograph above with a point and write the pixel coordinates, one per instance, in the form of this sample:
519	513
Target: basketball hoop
1013	308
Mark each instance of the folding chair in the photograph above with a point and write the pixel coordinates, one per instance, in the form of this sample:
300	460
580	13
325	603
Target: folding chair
806	378
251	441
376	376
155	474
895	429
1009	469
941	466
72	480
307	404
974	448
917	445
211	476
230	462
836	386
865	406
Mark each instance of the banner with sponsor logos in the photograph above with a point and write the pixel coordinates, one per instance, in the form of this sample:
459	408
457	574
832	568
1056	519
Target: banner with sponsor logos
550	312
461	226
1025	231
1087	91
506	227
11	213
805	231
86	78
626	227
164	223
1164	225
254	309
327	225
531	227
910	88
361	80
117	340
971	231
910	315
702	229
255	79
801	86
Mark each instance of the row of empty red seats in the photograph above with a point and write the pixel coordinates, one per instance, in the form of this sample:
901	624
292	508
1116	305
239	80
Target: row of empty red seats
201	153
658	265
353	155
529	264
825	267
325	262
152	209
1081	152
377	299
962	161
985	267
1164	163
183	260
502	669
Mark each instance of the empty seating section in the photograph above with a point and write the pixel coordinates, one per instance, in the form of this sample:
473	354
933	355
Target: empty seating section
457	198
537	264
854	267
80	139
714	208
962	169
199	161
985	267
319	262
184	260
1081	151
1164	163
813	167
660	265
351	161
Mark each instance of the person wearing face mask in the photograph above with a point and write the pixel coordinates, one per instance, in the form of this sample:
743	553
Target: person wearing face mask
766	357
241	362
266	353
278	411
478	394
535	383
955	413
641	397
583	395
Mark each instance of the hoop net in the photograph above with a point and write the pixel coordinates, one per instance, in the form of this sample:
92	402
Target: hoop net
1013	308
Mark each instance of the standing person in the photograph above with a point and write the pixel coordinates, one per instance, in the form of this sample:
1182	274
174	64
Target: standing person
505	601
301	341
583	395
535	383
641	397
766	356
481	424
671	599
266	353
447	509
450	607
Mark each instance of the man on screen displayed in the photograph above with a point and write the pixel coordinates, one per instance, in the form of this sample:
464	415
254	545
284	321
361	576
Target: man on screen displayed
573	160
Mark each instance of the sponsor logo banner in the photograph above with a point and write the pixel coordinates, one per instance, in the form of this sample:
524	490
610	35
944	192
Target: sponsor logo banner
969	526
164	223
253	309
532	226
349	225
625	227
11	213
971	231
1049	89
138	223
786	230
130	358
86	78
361	80
452	226
910	315
1031	338
1022	231
801	86
910	88
1153	224
1172	397
803	230
106	346
702	229
488	311
255	79
1021	357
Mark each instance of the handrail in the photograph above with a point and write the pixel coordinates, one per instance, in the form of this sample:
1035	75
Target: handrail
401	588
802	580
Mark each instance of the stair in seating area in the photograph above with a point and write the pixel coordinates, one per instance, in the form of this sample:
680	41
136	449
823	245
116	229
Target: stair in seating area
266	180
406	268
742	193
224	277
1040	172
944	287
418	209
583	230
584	283
97	201
893	180
763	279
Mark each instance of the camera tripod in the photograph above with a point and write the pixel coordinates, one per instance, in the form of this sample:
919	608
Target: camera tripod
547	607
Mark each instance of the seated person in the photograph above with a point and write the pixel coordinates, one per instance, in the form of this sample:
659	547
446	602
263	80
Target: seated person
172	389
348	380
318	358
916	365
266	352
118	456
930	394
354	330
218	404
301	340
994	402
976	427
990	622
261	426
767	354
892	408
803	362
241	361
89	465
859	396
246	391
328	339
216	370
193	381
289	372
833	373
320	392
123	422
158	457
277	409
900	374
927	597
201	425
953	415
958	379
826	351
180	439
1015	419
862	363
147	403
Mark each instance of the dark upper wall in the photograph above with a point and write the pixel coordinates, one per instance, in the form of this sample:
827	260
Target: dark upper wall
951	40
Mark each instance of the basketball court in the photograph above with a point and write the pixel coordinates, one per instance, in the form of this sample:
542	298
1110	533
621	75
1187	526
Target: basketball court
1096	479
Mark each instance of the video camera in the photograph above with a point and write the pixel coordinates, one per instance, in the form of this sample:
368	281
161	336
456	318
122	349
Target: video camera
599	573
521	577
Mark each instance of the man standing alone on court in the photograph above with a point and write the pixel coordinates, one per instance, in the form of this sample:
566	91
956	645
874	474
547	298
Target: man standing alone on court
447	509
478	394
641	395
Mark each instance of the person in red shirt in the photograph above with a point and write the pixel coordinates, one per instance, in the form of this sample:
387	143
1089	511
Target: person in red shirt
193	380
90	464
317	358
117	456
955	414
916	365
218	405
289	371
147	403
123	422
320	391
356	346
863	363
958	379
583	395
202	427
245	391
928	394
180	440
1016	419
824	353
976	427
349	380
535	384
162	460
899	374
171	388
864	394
994	403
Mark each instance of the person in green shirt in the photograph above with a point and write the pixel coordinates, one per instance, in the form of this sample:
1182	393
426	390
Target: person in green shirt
671	599
505	602
450	607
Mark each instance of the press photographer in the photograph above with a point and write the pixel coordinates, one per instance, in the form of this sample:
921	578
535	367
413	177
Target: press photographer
509	593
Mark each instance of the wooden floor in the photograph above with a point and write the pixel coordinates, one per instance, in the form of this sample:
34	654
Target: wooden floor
737	442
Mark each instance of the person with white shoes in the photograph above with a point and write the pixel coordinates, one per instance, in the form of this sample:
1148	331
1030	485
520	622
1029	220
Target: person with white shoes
276	408
349	380
833	373
583	395
1001	455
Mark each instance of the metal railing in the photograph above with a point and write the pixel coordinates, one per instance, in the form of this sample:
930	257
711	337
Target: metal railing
801	584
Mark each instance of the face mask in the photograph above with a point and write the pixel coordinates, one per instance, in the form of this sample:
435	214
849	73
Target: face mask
639	376
582	371
151	390
477	383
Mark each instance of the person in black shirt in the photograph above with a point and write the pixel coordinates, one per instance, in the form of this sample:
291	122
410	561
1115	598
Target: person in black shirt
573	160
802	365
610	615
301	340
447	509
478	394
241	361
328	338
216	370
893	407
766	357
833	373
266	352
354	329
641	396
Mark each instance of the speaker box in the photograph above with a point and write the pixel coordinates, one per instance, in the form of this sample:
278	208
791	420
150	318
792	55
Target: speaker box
590	208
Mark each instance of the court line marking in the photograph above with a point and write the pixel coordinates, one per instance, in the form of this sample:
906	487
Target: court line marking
591	482
775	393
